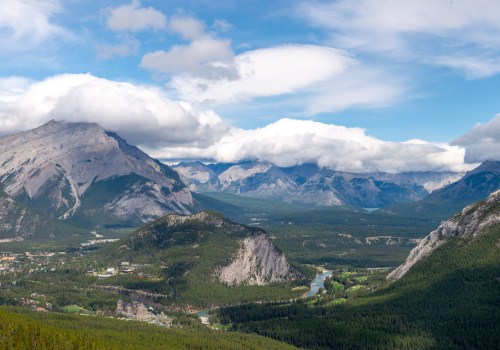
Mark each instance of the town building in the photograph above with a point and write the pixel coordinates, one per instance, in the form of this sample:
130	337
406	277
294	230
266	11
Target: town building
138	311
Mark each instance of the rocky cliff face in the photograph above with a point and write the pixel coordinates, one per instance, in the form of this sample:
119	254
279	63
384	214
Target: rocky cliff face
18	223
55	167
471	222
257	262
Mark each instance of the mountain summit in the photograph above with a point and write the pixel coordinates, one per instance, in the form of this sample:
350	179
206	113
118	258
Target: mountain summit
81	172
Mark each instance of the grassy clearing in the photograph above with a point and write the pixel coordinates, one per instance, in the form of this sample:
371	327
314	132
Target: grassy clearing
347	274
337	286
73	309
361	278
355	289
222	327
338	301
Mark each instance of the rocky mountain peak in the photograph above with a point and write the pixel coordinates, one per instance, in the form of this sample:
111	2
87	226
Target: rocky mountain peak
198	176
489	165
239	172
53	167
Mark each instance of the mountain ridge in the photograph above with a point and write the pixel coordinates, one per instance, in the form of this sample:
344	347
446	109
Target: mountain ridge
312	184
471	222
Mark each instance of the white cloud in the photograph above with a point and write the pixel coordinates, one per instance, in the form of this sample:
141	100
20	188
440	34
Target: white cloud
430	31
189	57
359	86
192	57
206	71
188	27
27	23
222	25
127	46
482	142
141	114
263	72
13	86
144	116
289	142
472	66
135	18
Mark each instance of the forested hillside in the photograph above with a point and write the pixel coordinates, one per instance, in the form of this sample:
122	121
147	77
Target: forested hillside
451	300
41	331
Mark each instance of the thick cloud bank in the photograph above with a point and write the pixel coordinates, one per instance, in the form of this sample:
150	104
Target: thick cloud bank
482	142
289	142
169	129
141	114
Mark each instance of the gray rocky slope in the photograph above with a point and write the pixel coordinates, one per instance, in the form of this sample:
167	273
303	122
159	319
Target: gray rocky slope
18	222
311	184
79	169
475	185
198	177
472	221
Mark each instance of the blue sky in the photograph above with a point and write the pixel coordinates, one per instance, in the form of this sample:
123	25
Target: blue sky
207	79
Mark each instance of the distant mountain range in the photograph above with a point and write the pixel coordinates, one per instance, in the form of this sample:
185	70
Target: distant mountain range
87	176
474	186
82	173
309	183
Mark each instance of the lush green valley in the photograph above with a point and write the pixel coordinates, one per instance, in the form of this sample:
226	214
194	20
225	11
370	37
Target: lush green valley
331	236
449	301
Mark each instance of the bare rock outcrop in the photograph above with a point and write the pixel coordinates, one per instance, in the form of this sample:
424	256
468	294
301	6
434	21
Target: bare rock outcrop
257	262
470	222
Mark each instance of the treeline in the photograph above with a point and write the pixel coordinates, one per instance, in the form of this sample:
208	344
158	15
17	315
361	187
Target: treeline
19	332
449	301
40	331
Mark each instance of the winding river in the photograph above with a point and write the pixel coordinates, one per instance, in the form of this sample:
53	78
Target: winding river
317	283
